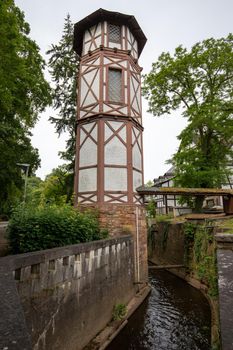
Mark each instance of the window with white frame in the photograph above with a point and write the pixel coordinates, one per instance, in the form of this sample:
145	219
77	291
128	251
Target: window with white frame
115	85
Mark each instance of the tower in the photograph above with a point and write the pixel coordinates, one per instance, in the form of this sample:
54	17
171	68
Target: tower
109	153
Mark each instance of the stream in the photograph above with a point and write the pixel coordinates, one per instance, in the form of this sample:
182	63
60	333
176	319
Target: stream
174	316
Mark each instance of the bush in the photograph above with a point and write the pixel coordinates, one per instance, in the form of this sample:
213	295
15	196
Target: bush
47	227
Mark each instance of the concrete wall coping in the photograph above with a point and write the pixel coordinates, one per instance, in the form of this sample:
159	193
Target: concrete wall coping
224	238
21	260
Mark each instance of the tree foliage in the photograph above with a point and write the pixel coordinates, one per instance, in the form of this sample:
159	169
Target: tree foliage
63	63
57	188
199	81
24	93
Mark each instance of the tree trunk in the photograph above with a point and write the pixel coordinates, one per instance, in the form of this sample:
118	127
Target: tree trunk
198	204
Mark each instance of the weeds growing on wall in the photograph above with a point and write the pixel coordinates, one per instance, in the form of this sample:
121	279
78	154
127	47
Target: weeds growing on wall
119	312
200	254
165	234
47	227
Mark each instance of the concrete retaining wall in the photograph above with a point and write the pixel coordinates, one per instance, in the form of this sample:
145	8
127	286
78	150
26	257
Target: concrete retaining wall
67	294
225	285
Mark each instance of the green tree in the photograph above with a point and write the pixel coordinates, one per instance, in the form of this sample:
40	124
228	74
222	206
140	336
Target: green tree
57	187
24	93
64	63
199	81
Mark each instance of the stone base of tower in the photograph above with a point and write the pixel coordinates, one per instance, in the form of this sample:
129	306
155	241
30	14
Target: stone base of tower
124	219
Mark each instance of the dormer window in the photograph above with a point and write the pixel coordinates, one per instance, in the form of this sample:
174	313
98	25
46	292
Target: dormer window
114	33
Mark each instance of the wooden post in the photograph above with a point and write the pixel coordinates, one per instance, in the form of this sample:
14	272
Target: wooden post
166	208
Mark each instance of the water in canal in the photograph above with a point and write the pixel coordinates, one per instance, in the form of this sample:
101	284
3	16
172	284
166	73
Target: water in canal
175	316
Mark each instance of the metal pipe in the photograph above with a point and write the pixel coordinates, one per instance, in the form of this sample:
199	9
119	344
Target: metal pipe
137	246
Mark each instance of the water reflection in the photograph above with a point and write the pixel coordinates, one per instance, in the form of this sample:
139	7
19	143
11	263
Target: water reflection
174	316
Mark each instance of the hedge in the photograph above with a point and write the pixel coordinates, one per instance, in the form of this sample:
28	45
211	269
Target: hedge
32	229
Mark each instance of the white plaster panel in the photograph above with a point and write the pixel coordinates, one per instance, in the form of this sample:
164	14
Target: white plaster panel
137	159
107	60
139	100
90	75
132	93
122	134
96	86
137	179
90	99
88	153
115	125
88	126
123	64
124	110
106	108
115	152
105	40
82	136
109	109
136	132
105	27
92	30
98	41
107	132
125	79
115	179
97	61
105	75
82	113
126	97
87	36
98	29
83	90
94	133
135	46
107	198
135	106
112	45
87	180
95	109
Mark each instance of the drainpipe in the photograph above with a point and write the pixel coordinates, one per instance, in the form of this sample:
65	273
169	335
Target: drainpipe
137	249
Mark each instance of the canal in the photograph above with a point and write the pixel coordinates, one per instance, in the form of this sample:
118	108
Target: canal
175	316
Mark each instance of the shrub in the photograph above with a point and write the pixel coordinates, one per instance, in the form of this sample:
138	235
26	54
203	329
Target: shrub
47	227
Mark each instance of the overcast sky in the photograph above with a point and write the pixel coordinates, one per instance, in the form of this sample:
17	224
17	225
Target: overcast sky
166	24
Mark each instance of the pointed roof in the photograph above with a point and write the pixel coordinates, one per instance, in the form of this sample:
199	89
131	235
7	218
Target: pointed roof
109	16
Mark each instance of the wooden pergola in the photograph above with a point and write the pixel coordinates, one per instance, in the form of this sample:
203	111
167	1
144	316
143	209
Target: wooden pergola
226	194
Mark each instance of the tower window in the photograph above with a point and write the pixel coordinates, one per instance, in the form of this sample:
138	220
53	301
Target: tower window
114	33
115	85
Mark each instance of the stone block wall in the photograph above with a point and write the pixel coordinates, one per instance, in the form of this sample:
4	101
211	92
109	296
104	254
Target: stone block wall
166	244
122	219
68	294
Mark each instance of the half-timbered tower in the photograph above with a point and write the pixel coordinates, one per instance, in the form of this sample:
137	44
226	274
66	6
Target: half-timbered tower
109	161
109	153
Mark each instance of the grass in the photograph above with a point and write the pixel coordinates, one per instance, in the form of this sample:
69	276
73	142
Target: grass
228	224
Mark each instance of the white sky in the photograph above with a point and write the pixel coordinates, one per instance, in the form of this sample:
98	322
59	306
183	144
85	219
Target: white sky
166	24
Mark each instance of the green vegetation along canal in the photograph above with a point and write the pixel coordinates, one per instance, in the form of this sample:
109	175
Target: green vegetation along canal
175	316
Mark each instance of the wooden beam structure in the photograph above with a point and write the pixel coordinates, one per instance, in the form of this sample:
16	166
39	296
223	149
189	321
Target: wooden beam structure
226	193
179	191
